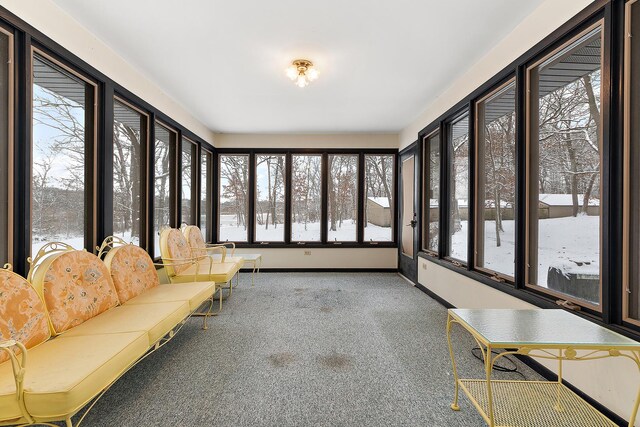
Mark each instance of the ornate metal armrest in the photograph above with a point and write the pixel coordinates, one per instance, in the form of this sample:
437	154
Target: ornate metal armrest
217	248
183	261
19	366
225	244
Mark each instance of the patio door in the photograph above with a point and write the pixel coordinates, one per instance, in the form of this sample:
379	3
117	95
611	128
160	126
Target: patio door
408	220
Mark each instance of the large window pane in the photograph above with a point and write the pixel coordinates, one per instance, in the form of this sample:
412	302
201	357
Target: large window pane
62	139
343	198
129	142
564	160
306	198
631	291
496	181
234	187
205	193
378	180
432	196
458	145
6	83
188	160
269	205
164	172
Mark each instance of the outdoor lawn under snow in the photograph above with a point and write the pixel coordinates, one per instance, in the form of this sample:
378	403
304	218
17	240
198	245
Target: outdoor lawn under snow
347	232
563	242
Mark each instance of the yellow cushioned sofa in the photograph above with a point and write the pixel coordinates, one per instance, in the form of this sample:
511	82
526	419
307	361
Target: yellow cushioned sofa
176	252
81	324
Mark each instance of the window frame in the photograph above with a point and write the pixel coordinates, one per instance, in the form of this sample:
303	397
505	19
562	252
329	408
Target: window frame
582	31
173	181
91	147
194	180
359	189
249	203
478	227
254	216
426	198
290	200
144	170
209	219
626	185
10	144
394	177
323	153
446	141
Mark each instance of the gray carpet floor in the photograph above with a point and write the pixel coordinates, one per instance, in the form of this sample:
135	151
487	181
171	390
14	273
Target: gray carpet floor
304	349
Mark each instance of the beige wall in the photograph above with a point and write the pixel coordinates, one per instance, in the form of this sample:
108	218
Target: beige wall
326	257
540	23
612	382
48	18
306	140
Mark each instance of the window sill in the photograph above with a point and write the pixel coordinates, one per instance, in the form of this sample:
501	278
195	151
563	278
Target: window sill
350	245
531	297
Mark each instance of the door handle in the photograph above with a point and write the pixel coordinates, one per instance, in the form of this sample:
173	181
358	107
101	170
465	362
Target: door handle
413	222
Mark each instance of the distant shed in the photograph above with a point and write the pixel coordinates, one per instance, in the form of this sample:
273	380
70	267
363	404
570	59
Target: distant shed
561	205
379	211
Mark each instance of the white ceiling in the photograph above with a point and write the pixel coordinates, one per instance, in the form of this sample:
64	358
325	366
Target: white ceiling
381	62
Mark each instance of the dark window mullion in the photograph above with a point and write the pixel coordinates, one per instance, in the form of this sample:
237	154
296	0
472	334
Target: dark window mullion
325	198
287	197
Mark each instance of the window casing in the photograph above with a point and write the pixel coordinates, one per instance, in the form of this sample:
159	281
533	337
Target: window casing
564	156
164	191
342	214
187	181
458	215
63	138
631	225
233	208
496	182
306	197
431	207
130	130
379	178
206	192
269	203
6	147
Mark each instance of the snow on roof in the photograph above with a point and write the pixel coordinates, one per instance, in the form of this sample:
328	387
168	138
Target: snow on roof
382	201
565	200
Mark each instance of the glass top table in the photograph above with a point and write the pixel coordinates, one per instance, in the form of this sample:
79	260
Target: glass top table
552	334
505	328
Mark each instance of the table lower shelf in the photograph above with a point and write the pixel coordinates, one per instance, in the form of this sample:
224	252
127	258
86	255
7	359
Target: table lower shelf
532	404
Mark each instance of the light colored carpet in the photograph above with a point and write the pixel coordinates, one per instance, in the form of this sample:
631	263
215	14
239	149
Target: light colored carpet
302	349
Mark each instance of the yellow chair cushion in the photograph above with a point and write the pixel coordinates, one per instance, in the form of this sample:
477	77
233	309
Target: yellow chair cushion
75	286
219	272
65	373
193	293
22	314
174	246
132	271
154	319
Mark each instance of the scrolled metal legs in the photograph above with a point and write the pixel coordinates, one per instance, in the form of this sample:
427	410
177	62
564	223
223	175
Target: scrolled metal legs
454	405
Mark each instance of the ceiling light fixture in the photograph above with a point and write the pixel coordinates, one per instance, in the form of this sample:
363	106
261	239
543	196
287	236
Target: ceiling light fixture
302	72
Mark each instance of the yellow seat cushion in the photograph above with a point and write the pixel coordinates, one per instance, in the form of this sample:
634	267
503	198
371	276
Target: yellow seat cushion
132	271
154	319
75	286
217	272
65	373
22	314
194	293
239	261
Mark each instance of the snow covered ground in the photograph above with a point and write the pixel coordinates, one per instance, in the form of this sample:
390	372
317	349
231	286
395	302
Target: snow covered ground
229	230
562	243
